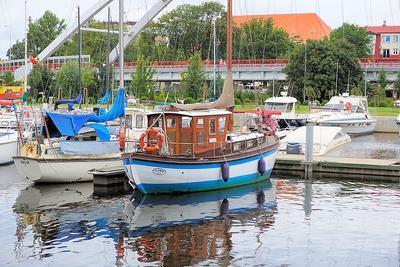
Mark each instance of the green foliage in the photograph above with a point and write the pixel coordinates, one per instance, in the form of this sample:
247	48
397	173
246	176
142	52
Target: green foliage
8	78
382	80
312	94
189	100
41	80
323	57
357	91
258	39
142	83
67	79
355	35
194	78
247	101
378	98
238	101
16	51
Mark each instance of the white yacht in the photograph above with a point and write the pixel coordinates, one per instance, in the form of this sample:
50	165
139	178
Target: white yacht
325	139
8	145
287	120
348	112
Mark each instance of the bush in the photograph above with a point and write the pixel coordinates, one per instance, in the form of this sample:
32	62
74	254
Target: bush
247	101
144	97
324	102
189	100
305	103
238	101
91	100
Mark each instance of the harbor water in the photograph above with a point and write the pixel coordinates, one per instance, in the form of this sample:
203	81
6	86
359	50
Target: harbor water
281	222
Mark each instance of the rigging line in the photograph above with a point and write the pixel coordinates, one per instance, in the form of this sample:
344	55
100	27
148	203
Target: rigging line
366	12
391	11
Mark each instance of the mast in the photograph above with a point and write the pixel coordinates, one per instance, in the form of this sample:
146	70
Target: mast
215	56
26	51
229	38
79	54
121	43
108	52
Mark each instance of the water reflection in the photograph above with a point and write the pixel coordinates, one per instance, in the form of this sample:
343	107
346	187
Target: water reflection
170	230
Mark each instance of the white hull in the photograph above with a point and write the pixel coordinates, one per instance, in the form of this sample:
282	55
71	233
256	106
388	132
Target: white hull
352	127
62	170
8	148
154	177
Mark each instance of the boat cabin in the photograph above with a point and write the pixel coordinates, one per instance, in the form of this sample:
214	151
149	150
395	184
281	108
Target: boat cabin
356	104
283	104
193	132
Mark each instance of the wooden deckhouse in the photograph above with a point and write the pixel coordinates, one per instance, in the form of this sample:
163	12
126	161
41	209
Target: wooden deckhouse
193	132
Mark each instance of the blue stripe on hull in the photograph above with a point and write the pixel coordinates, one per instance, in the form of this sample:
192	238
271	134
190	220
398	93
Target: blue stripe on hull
203	186
194	166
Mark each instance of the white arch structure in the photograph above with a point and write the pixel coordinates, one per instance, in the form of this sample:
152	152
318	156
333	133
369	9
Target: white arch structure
73	28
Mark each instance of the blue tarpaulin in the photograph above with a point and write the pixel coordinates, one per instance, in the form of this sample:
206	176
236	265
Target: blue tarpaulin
105	98
70	124
101	131
69	102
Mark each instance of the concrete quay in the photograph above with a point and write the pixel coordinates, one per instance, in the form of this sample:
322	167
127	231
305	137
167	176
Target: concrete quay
338	168
386	125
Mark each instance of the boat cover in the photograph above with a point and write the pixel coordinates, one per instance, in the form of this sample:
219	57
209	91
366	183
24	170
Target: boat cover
69	102
70	124
105	98
89	147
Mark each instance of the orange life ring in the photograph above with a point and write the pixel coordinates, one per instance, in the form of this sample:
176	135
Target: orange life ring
151	148
348	106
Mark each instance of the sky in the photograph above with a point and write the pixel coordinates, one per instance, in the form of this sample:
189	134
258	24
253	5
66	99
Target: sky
333	12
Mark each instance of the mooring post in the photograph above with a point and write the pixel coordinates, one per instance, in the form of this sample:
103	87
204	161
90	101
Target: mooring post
309	161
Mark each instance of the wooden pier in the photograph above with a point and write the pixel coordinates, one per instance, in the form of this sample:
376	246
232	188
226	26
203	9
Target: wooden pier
338	168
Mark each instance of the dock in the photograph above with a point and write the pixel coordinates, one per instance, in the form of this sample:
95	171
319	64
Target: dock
380	170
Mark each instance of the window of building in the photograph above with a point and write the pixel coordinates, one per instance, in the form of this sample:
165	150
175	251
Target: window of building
386	38
395	51
395	39
186	122
212	126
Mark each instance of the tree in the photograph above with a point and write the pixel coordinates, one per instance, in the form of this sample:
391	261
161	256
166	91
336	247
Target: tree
188	28
382	80
194	78
258	39
41	80
397	84
67	79
325	59
355	35
357	91
16	51
378	96
312	94
8	78
142	79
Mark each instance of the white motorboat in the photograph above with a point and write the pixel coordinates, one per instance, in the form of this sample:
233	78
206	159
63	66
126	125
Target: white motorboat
348	112
325	139
287	120
8	146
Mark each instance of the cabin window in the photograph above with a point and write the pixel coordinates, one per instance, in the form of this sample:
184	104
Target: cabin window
171	123
250	143
128	121
157	123
186	122
201	138
212	126
139	121
237	146
200	123
221	125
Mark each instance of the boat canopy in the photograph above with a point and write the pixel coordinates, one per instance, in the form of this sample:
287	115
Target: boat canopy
69	102
70	124
225	101
358	103
105	98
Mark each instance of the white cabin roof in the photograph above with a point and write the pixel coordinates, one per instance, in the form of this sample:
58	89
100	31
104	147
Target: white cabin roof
196	113
322	135
354	100
281	99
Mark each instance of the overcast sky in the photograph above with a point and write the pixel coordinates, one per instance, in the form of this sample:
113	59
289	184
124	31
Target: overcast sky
333	12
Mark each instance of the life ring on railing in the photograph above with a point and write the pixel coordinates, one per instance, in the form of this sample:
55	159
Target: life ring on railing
151	148
348	106
26	114
30	149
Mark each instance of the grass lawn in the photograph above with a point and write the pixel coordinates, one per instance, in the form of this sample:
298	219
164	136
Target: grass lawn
374	111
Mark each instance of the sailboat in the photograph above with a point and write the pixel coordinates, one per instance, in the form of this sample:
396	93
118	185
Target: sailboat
193	147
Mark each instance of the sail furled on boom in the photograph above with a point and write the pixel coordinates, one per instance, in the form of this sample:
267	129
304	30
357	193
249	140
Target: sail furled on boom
225	101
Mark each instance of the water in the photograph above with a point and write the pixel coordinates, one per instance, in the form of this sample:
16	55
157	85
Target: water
377	146
278	223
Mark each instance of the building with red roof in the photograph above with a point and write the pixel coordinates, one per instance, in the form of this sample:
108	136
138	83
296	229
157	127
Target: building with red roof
303	26
386	40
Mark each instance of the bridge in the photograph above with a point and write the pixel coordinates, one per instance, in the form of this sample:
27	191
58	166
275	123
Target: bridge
243	70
